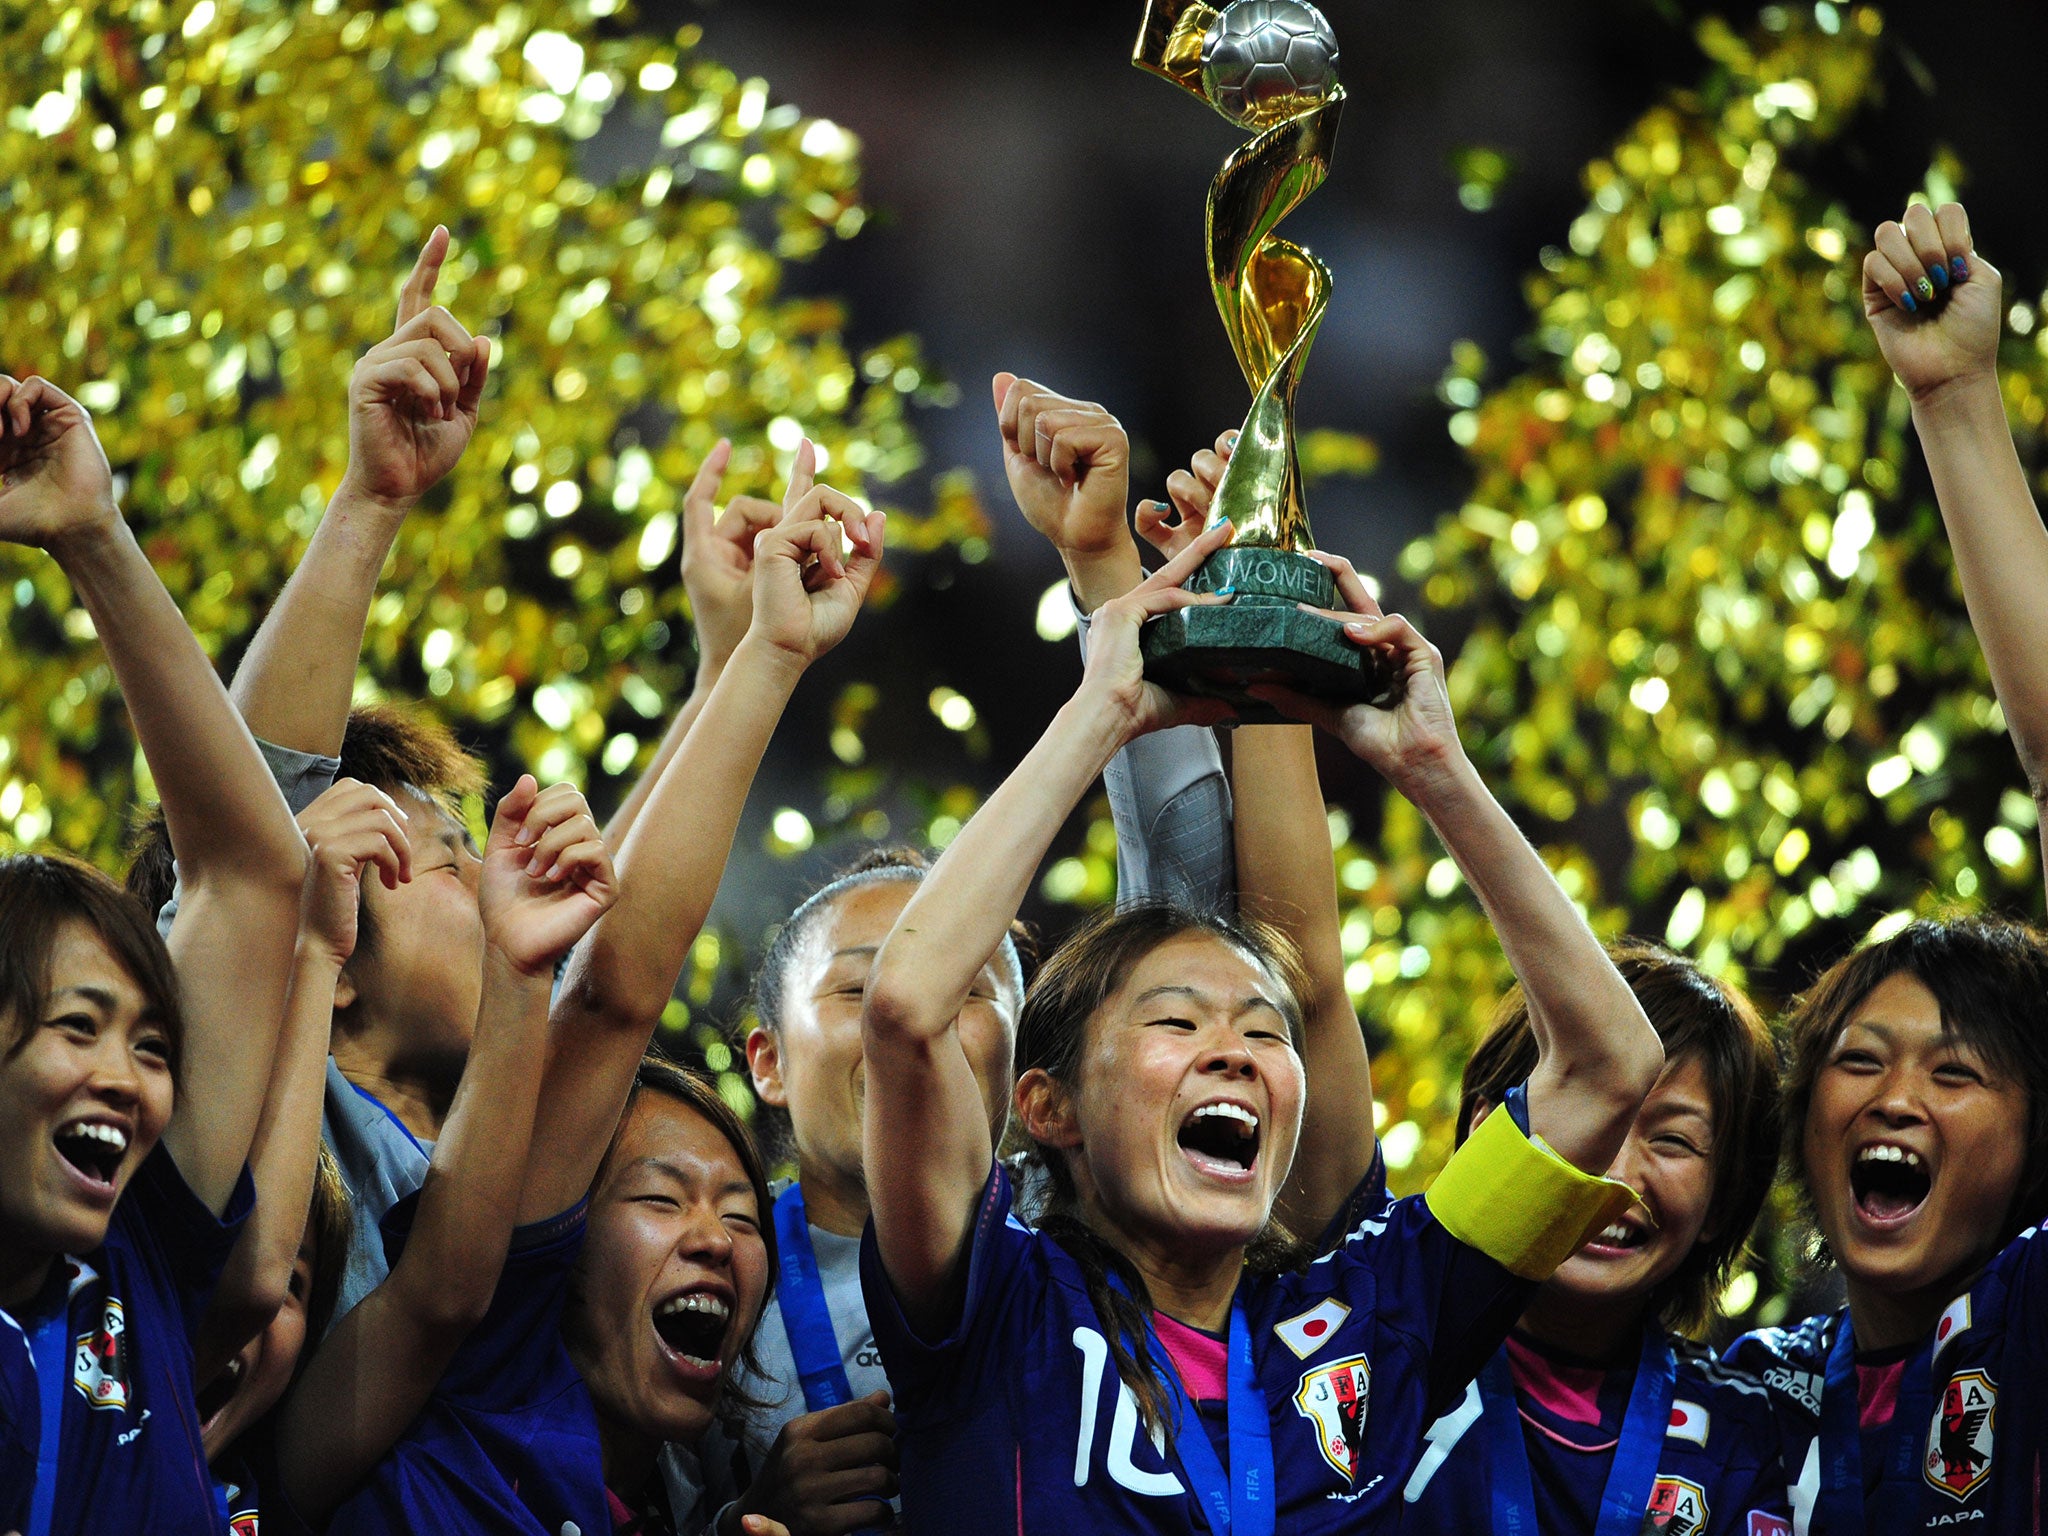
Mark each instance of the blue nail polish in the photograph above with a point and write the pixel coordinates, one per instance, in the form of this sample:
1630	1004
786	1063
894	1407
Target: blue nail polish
1961	268
1230	591
1906	302
1940	275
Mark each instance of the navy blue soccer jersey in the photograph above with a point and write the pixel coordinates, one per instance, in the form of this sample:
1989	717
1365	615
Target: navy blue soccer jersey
1716	1472
1019	1422
508	1442
123	1318
1964	1449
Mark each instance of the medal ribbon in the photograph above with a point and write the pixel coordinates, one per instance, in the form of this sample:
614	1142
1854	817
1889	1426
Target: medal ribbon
1631	1476
1240	1504
49	1341
805	1317
1842	1502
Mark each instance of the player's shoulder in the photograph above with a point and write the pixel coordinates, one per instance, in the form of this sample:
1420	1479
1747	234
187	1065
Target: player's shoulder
1733	1392
1791	1363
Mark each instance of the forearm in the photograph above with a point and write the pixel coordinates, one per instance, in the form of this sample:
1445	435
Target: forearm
964	907
2001	550
1597	1056
671	742
283	1160
297	681
1099	575
671	860
223	810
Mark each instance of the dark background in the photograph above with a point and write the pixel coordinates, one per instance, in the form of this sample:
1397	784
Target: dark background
1037	206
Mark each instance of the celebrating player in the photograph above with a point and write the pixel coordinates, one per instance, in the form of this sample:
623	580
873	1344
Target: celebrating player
1160	1081
132	1074
1917	1098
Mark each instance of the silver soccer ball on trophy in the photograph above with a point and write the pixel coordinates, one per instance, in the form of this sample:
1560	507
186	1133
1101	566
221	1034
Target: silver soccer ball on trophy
1264	61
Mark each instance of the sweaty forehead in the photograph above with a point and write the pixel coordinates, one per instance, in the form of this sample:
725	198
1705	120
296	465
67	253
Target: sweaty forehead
663	1137
1204	963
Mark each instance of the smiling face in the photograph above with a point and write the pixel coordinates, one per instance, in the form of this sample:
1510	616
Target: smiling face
811	1063
253	1381
1183	1122
419	968
1668	1159
1913	1146
672	1275
85	1094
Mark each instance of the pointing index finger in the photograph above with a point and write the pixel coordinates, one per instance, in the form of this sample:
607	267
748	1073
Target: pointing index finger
418	291
803	474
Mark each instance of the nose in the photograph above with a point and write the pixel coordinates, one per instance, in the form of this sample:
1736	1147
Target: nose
115	1079
1228	1054
1897	1100
705	1237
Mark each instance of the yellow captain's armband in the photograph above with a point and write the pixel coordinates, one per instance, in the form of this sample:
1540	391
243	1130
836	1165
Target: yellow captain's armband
1518	1202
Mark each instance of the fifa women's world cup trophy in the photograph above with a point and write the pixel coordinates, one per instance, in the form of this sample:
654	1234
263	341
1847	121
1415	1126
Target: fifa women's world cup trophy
1268	65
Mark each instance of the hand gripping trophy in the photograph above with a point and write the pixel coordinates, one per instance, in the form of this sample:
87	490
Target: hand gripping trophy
1268	65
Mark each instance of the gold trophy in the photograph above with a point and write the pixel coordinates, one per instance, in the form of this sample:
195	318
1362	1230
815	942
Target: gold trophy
1268	65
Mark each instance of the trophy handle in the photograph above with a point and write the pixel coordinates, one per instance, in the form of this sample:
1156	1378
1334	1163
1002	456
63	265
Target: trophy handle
1170	43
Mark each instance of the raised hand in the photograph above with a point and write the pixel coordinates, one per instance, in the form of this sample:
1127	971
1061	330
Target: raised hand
1170	529
1068	463
808	584
1932	301
413	397
718	560
1115	675
1412	744
547	875
349	829
54	479
828	1472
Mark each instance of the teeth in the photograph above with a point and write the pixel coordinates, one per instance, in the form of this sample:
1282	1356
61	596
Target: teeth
1889	1154
93	1130
695	1301
1243	1117
1614	1232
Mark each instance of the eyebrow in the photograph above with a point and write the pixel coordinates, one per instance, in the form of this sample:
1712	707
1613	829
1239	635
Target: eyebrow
99	997
856	952
675	1174
1254	1001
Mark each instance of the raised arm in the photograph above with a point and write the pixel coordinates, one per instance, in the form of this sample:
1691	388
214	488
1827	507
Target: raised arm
1934	305
350	829
806	593
413	403
925	1119
718	579
1597	1056
546	878
240	854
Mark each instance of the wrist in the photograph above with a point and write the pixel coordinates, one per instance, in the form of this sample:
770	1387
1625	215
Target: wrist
106	533
352	496
1966	396
764	662
1098	721
514	973
1439	781
1100	575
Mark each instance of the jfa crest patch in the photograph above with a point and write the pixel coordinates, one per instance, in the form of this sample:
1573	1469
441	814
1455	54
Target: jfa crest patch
99	1360
1678	1507
1959	1440
1333	1398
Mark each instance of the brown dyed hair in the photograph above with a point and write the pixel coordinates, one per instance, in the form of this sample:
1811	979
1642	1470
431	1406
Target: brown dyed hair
1696	1017
694	1090
1990	978
330	1222
1070	989
41	892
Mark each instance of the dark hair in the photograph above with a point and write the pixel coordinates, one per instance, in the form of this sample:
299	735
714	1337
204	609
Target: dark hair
1072	985
330	1223
1989	976
1696	1017
697	1091
152	868
39	893
886	865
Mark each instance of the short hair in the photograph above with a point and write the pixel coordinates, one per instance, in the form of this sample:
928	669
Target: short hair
1989	976
1696	1017
39	893
152	868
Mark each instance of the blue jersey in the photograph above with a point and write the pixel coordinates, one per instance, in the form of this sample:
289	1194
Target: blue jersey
118	1325
1964	1448
508	1443
1018	1421
1715	1469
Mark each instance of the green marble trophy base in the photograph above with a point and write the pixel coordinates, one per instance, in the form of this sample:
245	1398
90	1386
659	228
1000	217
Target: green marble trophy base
1262	637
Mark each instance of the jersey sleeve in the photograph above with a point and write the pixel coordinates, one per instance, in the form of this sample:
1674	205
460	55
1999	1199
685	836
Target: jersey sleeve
173	1233
510	1354
1002	1270
1170	800
1367	1197
303	776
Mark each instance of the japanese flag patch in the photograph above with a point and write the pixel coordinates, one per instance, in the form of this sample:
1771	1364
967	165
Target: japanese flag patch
1688	1422
1312	1329
1955	1320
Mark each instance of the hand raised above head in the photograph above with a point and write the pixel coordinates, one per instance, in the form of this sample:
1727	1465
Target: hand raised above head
1932	301
415	396
718	558
547	875
813	569
1171	528
1068	463
1115	675
54	479
350	829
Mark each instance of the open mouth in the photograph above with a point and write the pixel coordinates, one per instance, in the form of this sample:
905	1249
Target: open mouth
1889	1182
94	1149
693	1326
213	1398
1221	1139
